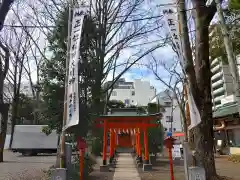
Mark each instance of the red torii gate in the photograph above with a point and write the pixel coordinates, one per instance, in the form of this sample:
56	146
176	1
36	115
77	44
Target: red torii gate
126	122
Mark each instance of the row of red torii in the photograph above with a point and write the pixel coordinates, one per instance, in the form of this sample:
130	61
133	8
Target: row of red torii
132	125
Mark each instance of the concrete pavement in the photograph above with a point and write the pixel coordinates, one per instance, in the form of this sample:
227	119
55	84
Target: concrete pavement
126	168
18	167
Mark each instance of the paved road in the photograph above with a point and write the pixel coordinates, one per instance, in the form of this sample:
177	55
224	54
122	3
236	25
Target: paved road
18	167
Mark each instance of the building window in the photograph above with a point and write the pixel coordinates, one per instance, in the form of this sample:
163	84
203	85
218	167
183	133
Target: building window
165	129
114	93
233	137
133	93
169	119
167	103
174	129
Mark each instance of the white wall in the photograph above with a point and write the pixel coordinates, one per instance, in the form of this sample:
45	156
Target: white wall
163	98
123	94
177	122
143	93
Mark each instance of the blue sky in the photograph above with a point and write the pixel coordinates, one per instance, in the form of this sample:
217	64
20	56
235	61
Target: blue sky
138	71
164	54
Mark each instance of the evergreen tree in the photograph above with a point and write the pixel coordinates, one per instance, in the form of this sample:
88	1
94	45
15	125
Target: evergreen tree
217	47
53	74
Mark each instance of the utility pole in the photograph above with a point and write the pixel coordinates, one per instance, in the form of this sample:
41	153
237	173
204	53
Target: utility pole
230	55
62	150
186	57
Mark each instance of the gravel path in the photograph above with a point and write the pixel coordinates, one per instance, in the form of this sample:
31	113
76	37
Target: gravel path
161	169
18	167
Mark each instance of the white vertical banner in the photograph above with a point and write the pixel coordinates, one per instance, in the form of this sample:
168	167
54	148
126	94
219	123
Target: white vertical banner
73	92
171	17
194	113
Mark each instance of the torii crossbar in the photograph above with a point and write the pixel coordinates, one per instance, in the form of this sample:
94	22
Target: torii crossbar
129	124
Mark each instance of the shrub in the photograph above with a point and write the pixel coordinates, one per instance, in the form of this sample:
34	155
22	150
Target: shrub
89	164
74	172
97	146
234	158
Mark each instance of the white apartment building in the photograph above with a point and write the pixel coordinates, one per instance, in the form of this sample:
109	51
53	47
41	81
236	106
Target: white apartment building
138	93
171	119
222	85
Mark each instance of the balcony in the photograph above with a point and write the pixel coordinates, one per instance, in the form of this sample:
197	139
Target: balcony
218	90
217	83
218	98
217	75
214	108
216	69
214	62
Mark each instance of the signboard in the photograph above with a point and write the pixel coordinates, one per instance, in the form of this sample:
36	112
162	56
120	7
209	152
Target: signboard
169	134
73	93
176	151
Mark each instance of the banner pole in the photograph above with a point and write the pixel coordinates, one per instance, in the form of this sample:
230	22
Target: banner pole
62	163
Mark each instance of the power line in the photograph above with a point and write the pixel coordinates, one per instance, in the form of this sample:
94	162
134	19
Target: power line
51	26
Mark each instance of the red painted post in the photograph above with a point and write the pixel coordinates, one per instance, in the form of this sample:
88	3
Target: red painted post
81	163
139	145
168	142
105	143
116	136
171	163
146	153
111	145
114	141
136	143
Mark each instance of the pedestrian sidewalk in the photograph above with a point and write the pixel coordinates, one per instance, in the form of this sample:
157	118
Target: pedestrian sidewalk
126	168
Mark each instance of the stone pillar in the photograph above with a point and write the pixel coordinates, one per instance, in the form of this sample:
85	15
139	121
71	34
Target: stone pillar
68	155
59	174
196	173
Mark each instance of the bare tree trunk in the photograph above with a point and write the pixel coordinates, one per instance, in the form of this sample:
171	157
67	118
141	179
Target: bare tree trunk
3	106
203	135
4	8
3	119
14	118
199	76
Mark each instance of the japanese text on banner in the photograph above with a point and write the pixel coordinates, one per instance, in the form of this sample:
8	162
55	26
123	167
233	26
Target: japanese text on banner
73	93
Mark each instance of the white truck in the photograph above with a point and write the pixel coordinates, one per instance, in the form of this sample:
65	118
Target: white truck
30	140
